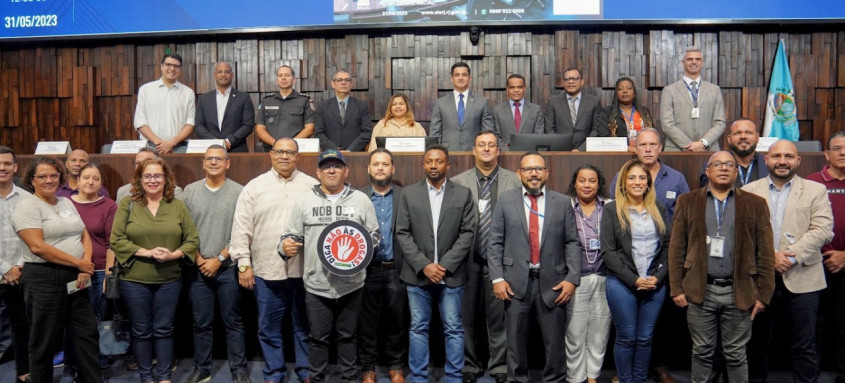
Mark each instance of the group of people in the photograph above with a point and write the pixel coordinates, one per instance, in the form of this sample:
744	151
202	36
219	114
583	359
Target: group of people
692	112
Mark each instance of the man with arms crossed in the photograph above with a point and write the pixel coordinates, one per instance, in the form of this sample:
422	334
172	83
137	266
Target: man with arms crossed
164	115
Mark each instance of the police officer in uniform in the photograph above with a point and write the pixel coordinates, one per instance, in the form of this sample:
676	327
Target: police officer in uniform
284	114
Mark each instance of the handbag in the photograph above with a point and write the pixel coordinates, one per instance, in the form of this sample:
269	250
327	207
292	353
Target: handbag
114	334
112	285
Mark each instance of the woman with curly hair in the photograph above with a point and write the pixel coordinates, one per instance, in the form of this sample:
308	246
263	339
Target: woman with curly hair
625	117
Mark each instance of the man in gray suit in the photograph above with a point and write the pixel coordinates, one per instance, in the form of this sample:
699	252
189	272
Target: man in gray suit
343	122
691	109
517	116
573	112
459	115
486	181
534	258
436	244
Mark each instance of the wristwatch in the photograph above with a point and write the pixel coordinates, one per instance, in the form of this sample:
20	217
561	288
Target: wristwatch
221	258
243	268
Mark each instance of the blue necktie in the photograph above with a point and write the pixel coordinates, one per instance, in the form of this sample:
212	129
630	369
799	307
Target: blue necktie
461	108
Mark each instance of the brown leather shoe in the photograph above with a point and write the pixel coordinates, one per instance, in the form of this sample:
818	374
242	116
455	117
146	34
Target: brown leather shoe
663	376
368	377
396	376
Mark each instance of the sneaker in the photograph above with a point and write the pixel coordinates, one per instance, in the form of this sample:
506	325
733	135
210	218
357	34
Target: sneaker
197	377
242	378
59	359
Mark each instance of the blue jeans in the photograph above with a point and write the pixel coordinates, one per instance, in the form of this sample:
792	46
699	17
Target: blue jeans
449	301
151	310
635	314
273	299
95	292
222	288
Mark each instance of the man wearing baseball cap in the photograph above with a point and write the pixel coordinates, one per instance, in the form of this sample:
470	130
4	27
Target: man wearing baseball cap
338	224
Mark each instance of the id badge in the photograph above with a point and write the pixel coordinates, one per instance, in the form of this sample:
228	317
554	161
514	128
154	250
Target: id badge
482	205
717	247
594	244
696	113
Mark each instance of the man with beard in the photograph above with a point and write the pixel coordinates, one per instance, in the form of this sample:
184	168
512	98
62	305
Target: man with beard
73	166
384	299
487	180
799	279
435	227
742	140
535	271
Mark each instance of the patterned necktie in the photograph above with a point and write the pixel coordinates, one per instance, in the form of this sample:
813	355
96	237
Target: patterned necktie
486	216
534	230
342	110
517	116
461	108
573	113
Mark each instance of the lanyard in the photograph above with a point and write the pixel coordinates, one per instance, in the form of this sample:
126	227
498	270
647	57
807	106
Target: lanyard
629	119
694	94
720	207
745	176
583	234
532	210
486	186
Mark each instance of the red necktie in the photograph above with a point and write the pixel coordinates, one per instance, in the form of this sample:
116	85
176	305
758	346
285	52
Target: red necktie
517	116
534	230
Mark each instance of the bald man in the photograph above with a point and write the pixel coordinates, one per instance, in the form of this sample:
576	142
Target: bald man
802	222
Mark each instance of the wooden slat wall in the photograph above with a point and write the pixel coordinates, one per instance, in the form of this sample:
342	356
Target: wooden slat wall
87	93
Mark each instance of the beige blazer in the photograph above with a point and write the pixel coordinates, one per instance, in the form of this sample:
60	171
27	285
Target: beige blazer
807	226
676	116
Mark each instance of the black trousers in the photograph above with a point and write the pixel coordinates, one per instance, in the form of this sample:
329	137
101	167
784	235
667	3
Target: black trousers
13	297
383	313
482	311
340	315
51	312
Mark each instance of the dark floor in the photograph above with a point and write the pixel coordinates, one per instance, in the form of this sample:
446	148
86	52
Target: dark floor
117	373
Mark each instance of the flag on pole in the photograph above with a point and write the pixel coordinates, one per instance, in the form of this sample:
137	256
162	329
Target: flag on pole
781	115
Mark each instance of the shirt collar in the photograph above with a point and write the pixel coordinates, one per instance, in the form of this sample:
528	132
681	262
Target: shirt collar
430	188
730	192
176	84
465	93
521	102
571	97
373	192
576	203
226	92
688	80
345	99
479	175
772	185
826	176
16	190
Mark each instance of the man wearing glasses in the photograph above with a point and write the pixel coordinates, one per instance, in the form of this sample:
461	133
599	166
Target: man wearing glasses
261	217
534	258
721	267
487	180
574	112
164	115
333	300
211	202
343	122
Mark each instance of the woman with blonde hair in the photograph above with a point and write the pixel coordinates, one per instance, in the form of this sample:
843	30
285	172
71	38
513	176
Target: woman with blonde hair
634	247
397	121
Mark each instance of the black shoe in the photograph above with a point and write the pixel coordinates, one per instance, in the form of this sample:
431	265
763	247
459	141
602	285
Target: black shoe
242	378
28	379
501	378
470	377
197	377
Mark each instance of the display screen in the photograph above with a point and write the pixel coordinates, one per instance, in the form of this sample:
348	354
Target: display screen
56	18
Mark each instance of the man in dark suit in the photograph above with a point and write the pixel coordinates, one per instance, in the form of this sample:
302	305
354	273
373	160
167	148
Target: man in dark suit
534	258
343	122
486	180
458	116
225	112
573	112
721	267
435	227
517	110
384	299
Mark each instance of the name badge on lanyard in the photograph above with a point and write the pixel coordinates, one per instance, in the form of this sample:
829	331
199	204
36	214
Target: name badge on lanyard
717	246
594	244
717	242
695	113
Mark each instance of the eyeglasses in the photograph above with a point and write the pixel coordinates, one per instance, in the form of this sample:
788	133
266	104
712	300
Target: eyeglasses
215	159
483	145
717	165
150	177
173	66
280	152
342	80
571	79
43	177
837	149
538	170
332	166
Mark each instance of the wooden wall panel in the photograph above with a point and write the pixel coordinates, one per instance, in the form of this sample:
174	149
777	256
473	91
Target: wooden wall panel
87	93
